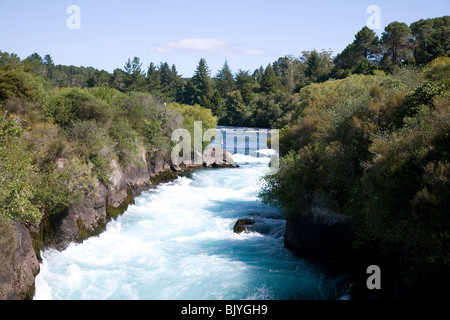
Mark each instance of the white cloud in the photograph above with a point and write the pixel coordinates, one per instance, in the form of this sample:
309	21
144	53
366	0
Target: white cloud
209	45
254	52
195	44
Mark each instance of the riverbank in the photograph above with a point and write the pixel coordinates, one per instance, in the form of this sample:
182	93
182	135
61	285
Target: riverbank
83	220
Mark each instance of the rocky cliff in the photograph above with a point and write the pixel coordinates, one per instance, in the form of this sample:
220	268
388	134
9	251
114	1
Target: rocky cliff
317	230
20	262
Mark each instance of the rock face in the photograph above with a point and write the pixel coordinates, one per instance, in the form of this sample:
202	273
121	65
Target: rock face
19	264
318	232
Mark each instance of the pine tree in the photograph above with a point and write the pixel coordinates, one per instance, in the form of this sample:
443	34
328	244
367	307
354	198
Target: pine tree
134	77
225	80
396	43
48	61
153	80
314	66
201	82
269	82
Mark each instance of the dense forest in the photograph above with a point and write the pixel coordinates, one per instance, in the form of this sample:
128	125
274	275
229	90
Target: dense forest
368	127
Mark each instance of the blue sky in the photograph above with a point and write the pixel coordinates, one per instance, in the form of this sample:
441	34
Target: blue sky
248	33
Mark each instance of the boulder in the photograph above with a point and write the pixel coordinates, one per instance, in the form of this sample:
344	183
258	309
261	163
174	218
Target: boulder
243	225
217	157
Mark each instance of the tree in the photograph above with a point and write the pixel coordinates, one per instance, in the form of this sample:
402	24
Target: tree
258	74
153	78
218	105
362	52
234	108
35	64
117	80
225	80
430	39
291	73
16	83
169	80
366	44
201	82
269	82
7	58
396	42
314	66
246	84
134	76
48	61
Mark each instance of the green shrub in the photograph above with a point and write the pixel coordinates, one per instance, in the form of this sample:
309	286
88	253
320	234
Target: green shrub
18	176
127	140
14	83
94	143
76	104
58	187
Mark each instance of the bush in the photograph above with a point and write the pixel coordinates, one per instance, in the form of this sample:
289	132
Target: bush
127	141
94	143
76	104
47	143
15	84
59	187
191	114
18	176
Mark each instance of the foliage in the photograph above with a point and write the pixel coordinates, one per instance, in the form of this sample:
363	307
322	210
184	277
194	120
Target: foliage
18	177
94	144
378	146
16	83
359	56
77	104
396	43
127	142
194	113
431	39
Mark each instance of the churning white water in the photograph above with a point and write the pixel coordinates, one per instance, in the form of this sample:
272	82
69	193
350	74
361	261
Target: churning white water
177	242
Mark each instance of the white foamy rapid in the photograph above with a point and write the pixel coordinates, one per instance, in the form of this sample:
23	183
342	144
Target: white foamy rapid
177	242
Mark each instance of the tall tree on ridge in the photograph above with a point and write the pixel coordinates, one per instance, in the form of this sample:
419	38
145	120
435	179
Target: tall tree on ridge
201	82
359	56
48	61
396	42
153	79
431	39
134	76
269	82
225	80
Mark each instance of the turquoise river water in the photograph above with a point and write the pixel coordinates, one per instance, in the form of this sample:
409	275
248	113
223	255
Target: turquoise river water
177	243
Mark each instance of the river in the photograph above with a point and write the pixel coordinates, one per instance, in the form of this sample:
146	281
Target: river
177	243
